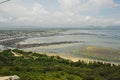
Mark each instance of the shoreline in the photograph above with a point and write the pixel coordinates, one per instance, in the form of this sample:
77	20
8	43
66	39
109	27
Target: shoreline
75	59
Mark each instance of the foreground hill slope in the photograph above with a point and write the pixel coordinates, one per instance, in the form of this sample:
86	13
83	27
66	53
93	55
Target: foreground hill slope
34	66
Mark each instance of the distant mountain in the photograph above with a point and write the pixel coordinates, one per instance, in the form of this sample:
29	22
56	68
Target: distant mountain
62	27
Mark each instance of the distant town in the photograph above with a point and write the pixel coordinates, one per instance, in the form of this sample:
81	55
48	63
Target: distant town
11	38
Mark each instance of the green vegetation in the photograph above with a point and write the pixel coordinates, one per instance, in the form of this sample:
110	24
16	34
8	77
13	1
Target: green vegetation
33	66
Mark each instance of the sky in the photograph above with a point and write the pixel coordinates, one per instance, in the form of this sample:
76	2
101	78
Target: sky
60	13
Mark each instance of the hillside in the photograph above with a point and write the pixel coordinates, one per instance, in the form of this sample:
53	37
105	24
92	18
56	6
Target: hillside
34	66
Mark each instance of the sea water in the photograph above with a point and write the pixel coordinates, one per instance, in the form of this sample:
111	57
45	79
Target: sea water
109	39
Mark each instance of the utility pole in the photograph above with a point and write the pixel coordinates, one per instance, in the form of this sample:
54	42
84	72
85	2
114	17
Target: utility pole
1	2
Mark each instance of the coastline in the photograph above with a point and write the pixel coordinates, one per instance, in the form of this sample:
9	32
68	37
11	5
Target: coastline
75	59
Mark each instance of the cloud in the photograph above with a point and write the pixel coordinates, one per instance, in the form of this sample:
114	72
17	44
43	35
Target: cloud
69	13
85	5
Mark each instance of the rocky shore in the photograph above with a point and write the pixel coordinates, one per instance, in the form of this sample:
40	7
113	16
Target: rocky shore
21	46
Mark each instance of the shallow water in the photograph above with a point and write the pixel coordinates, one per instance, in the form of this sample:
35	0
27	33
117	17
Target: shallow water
104	38
98	38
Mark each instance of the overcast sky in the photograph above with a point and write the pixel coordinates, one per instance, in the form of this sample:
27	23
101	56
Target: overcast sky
57	13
